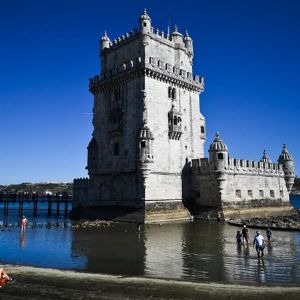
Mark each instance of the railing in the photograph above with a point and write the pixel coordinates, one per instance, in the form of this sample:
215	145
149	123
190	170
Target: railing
54	202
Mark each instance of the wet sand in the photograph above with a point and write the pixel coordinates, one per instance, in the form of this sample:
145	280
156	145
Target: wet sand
38	283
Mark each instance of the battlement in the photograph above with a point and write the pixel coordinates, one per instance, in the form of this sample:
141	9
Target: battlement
200	165
154	33
155	64
80	183
240	166
251	166
124	38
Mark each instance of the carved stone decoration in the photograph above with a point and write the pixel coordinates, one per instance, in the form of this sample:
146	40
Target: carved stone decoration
174	121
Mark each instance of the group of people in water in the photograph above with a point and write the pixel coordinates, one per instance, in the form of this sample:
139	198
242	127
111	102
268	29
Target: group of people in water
258	241
4	277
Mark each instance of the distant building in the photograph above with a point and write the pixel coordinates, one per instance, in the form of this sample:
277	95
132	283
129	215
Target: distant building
146	156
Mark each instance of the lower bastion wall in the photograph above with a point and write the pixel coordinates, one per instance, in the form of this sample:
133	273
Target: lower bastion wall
239	186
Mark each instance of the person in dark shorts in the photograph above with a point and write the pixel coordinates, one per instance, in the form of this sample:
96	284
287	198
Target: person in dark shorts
268	233
238	237
245	234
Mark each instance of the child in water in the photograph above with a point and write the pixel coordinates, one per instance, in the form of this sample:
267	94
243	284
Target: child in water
238	237
23	223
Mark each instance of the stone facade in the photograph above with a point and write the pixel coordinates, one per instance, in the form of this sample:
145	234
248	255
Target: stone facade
233	186
148	128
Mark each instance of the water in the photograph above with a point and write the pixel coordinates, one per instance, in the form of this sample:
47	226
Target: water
295	201
194	251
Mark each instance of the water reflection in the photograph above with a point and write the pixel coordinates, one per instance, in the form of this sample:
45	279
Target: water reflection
163	252
22	239
191	251
117	250
198	251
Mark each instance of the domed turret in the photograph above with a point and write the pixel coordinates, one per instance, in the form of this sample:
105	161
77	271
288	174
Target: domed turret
145	139
177	37
188	42
105	41
265	158
145	22
218	154
287	162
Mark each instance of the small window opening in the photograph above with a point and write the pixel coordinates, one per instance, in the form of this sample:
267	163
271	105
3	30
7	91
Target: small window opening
175	120
220	156
116	149
170	92
238	193
261	193
174	93
144	24
202	129
143	144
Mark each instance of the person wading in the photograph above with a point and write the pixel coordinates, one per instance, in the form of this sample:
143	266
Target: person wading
259	243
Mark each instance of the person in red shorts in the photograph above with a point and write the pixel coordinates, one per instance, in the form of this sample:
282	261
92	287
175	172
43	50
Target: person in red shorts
4	278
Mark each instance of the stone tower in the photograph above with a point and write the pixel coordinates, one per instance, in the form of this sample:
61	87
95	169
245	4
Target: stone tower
147	124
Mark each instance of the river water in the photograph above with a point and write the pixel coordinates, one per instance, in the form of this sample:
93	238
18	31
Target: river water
193	251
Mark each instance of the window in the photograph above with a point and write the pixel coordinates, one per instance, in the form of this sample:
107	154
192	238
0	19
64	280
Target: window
238	193
261	193
175	120
220	156
250	194
272	194
202	129
143	144
116	149
170	92
281	193
144	24
174	94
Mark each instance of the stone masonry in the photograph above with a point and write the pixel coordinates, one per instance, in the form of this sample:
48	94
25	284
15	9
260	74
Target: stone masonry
146	156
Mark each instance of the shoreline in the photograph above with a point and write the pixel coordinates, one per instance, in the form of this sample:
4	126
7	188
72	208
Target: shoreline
42	283
285	223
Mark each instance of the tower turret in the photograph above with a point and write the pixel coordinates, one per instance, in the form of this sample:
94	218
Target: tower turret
145	23
105	41
265	158
188	42
218	154
287	162
177	36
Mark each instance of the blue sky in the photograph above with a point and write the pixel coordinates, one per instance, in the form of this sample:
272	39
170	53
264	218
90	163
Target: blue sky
248	52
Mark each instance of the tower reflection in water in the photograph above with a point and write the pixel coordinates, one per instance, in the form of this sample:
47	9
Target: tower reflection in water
196	251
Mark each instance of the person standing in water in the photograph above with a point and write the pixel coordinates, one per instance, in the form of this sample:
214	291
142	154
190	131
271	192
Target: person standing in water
259	243
269	233
245	234
23	223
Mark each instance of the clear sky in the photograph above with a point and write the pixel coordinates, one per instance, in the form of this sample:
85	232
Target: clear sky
248	52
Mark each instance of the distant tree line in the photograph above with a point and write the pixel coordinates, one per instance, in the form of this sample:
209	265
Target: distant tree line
39	188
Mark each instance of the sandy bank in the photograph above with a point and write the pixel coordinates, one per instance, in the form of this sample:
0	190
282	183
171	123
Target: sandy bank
38	283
